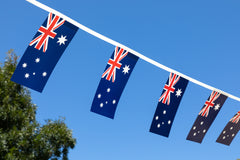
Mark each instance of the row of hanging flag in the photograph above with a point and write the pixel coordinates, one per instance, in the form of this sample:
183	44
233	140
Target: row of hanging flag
49	43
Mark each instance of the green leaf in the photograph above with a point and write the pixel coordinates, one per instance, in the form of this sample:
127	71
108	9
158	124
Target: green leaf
21	136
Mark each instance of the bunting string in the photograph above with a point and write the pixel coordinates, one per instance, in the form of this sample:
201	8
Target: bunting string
115	43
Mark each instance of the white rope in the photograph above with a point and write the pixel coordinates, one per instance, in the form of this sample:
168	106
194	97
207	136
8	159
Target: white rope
102	37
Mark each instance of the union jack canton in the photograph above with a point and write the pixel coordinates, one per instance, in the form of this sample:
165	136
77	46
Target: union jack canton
236	118
113	81
169	88
209	104
43	52
114	64
47	32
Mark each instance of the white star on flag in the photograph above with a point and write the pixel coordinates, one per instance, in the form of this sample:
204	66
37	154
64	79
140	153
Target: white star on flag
178	92
44	74
24	65
126	69
37	60
217	107
26	75
62	40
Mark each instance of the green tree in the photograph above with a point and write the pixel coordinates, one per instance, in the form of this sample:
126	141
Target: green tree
21	136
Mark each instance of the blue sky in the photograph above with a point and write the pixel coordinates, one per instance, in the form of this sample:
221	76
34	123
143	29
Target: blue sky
198	38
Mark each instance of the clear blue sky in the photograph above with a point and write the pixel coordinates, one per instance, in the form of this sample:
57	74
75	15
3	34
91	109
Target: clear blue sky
198	38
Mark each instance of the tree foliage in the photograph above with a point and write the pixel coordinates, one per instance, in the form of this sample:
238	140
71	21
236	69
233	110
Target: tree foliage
21	136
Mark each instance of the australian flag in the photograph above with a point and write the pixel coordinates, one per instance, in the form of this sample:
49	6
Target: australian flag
113	81
168	104
43	52
230	131
206	116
